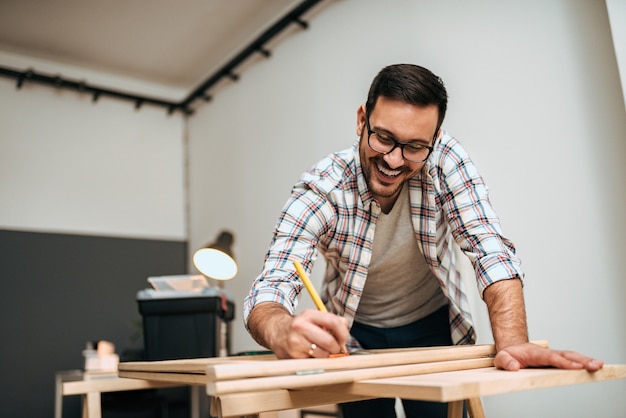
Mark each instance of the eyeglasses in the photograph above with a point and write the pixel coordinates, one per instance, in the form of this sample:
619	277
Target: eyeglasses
385	144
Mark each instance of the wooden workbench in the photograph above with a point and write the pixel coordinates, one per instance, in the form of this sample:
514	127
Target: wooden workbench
250	386
91	386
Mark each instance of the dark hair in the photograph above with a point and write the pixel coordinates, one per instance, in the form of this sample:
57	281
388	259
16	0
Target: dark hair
411	84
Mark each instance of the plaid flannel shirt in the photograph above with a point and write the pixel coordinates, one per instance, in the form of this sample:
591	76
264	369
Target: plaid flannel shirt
331	211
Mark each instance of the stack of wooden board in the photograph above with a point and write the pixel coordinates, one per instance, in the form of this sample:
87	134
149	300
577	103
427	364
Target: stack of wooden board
226	375
249	385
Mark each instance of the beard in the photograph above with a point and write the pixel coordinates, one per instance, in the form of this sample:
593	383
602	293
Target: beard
376	186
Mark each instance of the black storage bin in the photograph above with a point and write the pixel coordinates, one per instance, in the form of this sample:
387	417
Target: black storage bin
179	325
186	327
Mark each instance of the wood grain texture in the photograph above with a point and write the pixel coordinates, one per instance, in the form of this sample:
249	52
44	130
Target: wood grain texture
324	378
239	404
109	385
194	365
464	379
180	378
457	385
374	358
237	367
475	408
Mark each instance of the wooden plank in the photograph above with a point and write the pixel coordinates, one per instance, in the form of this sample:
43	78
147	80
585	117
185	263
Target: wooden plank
324	378
195	365
178	378
241	404
379	358
464	384
236	367
108	385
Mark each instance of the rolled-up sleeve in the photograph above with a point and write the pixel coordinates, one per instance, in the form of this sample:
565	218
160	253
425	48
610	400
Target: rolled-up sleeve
474	223
304	219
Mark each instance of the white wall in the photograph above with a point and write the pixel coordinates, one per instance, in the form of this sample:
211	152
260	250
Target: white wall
72	166
535	97
617	17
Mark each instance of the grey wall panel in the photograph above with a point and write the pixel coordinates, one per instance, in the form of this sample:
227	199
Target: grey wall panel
59	291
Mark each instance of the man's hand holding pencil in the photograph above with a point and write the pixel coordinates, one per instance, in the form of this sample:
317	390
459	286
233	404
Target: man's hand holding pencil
312	333
318	303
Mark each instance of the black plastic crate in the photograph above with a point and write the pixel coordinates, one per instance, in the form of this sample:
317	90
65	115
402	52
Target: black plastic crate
185	327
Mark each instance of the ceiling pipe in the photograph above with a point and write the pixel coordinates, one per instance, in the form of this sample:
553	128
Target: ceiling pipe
200	92
295	16
81	87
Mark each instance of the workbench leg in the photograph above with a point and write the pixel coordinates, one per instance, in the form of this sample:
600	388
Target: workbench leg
58	397
475	408
91	405
455	409
195	393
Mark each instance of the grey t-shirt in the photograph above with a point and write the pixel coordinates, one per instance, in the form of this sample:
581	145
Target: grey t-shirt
400	287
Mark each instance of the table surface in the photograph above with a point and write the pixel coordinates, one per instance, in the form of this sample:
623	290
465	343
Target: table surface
464	384
92	384
252	385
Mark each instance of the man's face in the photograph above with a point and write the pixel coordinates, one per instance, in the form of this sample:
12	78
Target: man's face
385	174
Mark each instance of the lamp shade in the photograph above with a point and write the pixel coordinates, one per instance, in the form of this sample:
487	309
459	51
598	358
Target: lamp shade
215	264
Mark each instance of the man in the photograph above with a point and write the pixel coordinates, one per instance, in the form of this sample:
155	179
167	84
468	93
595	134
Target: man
385	214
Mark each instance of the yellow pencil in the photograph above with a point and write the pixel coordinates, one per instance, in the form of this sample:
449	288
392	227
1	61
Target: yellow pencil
309	287
315	296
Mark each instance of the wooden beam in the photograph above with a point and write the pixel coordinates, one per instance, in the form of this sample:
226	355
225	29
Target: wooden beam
324	378
459	385
109	385
241	404
374	358
194	365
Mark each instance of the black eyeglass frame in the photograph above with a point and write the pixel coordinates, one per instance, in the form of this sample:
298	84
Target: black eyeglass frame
396	143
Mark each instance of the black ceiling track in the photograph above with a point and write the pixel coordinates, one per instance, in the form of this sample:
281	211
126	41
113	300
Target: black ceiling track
199	93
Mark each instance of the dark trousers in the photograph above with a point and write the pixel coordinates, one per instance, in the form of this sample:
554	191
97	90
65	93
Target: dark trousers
429	331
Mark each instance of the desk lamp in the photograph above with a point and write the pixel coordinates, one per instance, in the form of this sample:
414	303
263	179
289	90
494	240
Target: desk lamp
215	260
218	264
215	264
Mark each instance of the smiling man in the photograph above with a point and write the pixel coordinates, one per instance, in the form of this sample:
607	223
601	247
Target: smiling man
385	215
386	162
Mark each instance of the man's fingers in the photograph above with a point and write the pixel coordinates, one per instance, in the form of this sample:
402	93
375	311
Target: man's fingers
585	362
506	361
327	331
530	355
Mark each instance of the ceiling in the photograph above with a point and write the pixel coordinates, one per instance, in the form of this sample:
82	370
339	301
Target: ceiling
173	43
